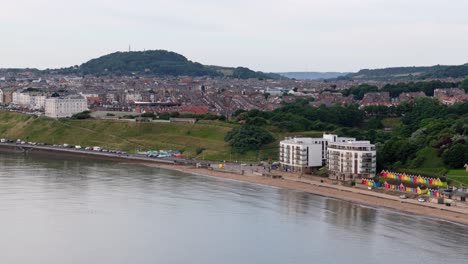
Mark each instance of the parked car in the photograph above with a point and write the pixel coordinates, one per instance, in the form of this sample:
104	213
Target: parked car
421	200
403	196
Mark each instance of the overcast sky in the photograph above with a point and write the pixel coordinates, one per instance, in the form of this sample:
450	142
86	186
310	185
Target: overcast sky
267	35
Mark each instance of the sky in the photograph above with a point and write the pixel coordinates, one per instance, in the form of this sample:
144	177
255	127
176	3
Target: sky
266	35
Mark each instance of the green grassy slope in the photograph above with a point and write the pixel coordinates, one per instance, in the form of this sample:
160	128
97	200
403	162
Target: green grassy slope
203	140
429	163
459	176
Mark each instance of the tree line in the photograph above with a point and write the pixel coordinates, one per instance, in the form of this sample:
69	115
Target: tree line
426	129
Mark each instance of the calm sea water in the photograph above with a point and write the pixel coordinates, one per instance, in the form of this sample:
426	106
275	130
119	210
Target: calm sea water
83	211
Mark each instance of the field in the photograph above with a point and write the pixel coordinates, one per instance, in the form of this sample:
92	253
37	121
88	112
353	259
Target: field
460	176
203	140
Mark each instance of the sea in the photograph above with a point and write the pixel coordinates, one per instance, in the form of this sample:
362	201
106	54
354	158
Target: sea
56	209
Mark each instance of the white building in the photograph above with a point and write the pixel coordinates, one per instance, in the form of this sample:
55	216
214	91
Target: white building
58	107
1	97
28	100
352	159
303	154
133	97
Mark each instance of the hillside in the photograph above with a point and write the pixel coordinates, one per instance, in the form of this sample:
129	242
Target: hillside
201	140
411	73
312	75
159	63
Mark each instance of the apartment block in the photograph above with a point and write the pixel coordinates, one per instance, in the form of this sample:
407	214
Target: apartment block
352	159
303	154
60	107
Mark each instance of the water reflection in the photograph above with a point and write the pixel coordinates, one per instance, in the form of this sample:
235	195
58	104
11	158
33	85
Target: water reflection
56	208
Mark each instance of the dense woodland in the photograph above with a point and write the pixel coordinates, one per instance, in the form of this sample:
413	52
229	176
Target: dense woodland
415	73
404	87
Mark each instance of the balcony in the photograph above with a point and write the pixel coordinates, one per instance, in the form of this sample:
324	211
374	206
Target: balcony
367	165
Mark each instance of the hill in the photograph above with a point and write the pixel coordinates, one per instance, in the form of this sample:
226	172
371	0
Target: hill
312	75
412	73
159	63
156	62
203	140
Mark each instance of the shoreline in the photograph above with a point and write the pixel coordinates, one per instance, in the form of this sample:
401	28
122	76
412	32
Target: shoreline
349	194
370	200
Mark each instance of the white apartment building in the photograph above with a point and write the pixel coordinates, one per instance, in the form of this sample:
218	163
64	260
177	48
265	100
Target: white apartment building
28	100
304	154
352	159
1	97
58	107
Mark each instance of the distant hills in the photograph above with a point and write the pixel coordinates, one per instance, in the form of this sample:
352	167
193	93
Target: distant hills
412	73
167	63
159	63
387	74
312	75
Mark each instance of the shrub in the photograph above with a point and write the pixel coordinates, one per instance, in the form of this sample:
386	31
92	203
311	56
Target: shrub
82	115
248	137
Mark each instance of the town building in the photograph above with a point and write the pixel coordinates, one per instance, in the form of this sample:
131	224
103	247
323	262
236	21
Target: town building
329	99
7	96
411	96
450	96
59	107
351	160
31	100
303	154
376	98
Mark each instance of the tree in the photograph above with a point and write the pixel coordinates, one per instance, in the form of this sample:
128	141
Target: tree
148	114
247	137
464	85
359	91
456	156
374	123
238	112
82	115
174	114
